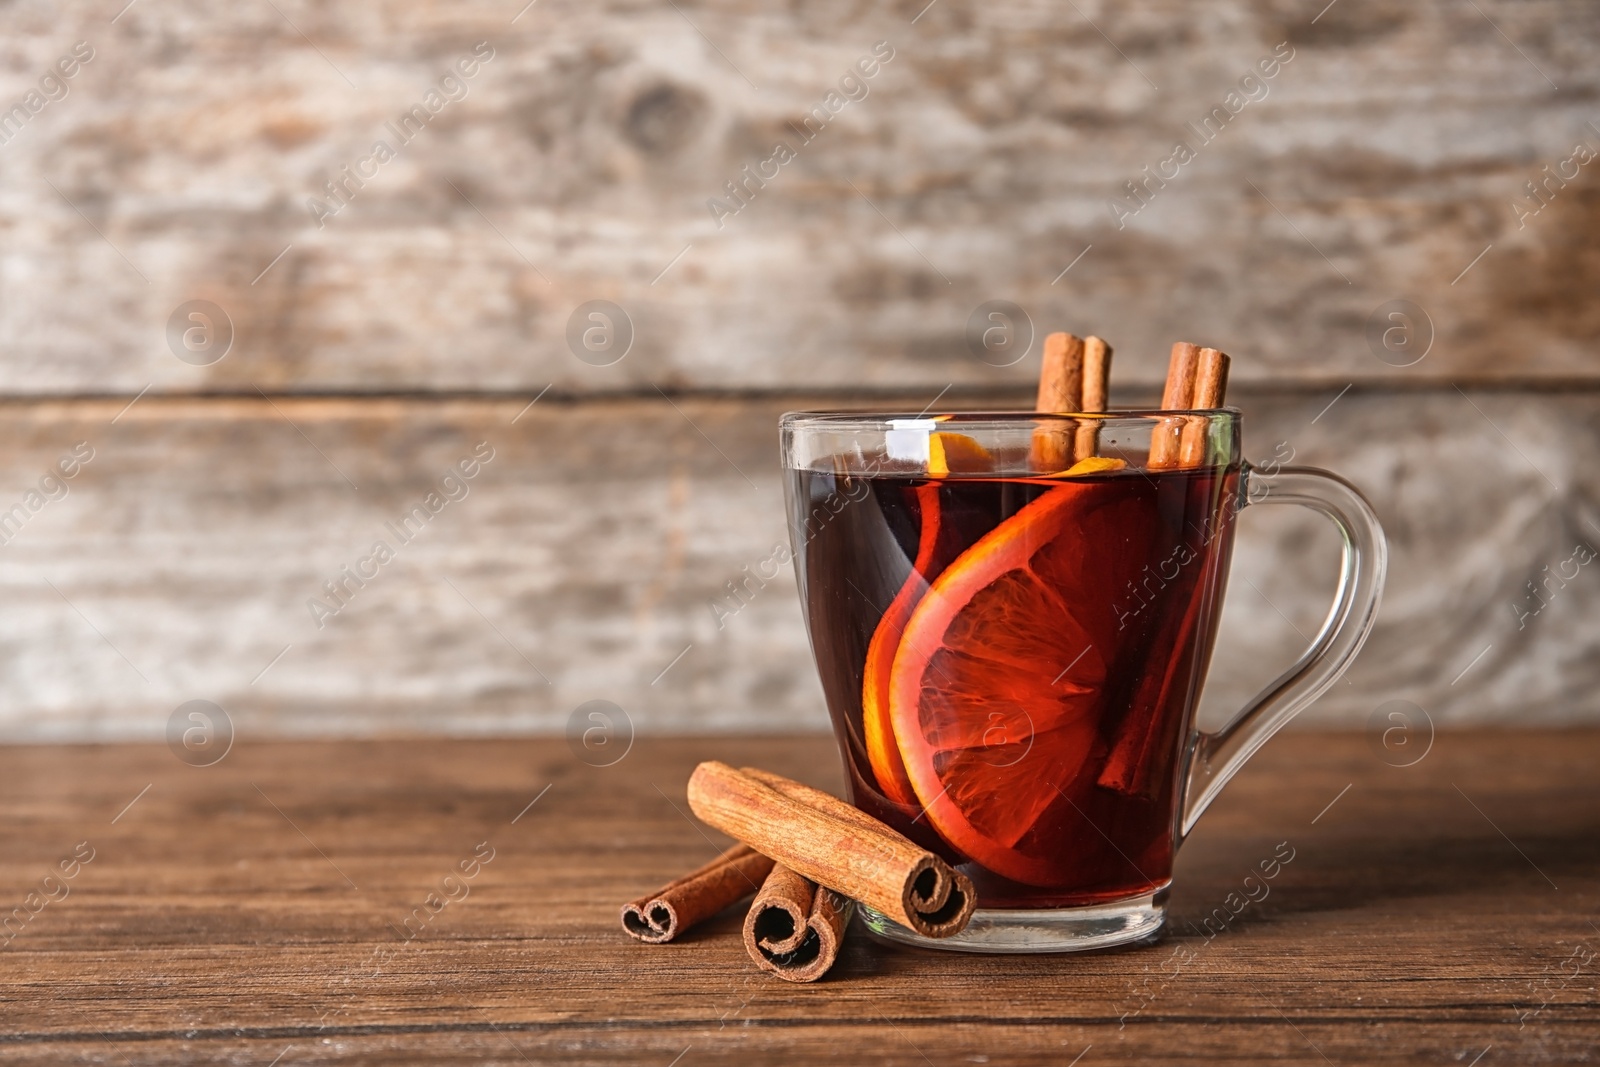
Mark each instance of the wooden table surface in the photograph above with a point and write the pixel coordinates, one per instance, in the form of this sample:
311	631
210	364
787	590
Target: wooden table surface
255	912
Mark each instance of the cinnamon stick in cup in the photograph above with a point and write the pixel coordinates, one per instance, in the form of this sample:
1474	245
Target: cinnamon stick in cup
659	917
1128	765
795	927
1060	389
1096	394
828	841
1061	373
1166	438
1210	385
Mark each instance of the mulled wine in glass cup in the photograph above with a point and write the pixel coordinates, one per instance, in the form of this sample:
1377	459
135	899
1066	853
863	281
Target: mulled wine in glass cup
1012	655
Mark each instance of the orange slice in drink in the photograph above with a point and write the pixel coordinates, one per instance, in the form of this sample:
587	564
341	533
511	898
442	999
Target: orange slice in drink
956	453
1090	465
882	752
947	453
997	686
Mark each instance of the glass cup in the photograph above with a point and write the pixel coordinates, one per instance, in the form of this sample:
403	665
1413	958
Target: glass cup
1012	615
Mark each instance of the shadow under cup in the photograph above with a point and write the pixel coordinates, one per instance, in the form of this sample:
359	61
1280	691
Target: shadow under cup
1011	660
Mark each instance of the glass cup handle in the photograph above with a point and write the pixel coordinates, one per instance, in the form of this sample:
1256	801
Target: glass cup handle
1215	758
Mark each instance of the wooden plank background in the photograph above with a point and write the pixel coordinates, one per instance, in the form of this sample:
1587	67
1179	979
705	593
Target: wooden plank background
1385	162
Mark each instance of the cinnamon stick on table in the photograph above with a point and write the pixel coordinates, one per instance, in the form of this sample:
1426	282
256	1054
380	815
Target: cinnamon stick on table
795	927
661	916
828	841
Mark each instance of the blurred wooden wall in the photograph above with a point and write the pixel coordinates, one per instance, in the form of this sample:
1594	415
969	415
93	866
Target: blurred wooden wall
568	155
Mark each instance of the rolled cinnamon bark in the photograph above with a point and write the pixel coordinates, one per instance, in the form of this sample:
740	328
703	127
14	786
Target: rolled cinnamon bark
661	916
1166	439
1129	766
1061	373
828	841
795	927
1210	386
1096	374
1096	394
1060	390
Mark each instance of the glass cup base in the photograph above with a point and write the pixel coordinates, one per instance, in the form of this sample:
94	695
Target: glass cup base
1038	930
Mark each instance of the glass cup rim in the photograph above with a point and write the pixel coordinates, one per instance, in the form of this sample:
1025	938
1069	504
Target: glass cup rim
905	438
837	419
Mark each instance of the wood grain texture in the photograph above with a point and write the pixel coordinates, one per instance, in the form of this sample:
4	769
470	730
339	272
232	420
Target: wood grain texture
1385	158
256	908
592	556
